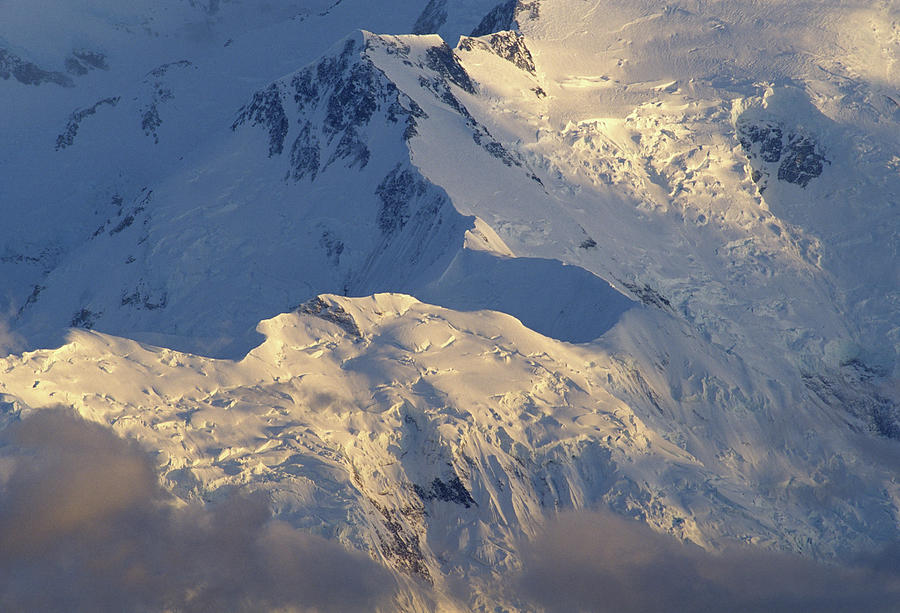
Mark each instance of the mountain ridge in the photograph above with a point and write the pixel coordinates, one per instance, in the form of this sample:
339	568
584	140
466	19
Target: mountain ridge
592	258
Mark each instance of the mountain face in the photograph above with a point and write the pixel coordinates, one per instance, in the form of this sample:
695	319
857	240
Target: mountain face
424	289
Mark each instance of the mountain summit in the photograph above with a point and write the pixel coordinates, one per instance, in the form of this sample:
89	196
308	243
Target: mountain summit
436	283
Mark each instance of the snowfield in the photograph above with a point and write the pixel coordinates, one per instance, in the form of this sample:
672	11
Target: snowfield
423	278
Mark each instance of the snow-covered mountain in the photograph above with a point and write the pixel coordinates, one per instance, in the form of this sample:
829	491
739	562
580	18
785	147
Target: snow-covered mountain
509	259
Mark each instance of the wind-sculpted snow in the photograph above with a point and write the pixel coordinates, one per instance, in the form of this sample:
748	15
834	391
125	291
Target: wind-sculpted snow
702	196
436	440
664	149
583	306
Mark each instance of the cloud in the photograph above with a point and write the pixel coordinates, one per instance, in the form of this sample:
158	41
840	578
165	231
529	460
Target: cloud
10	342
599	562
84	526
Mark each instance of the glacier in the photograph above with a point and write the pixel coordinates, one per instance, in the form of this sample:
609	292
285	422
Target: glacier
425	276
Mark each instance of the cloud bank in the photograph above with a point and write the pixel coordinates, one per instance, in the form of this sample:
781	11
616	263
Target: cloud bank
84	526
602	563
10	342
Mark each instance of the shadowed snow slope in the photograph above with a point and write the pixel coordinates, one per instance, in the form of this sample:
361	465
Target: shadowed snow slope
660	242
309	189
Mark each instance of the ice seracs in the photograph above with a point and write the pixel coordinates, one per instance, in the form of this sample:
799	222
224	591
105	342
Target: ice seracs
623	254
436	439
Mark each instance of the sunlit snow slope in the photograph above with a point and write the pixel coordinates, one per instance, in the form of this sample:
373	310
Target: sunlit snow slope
628	255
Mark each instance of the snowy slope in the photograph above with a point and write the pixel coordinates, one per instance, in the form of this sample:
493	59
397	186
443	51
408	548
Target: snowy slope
205	252
364	421
682	218
666	91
